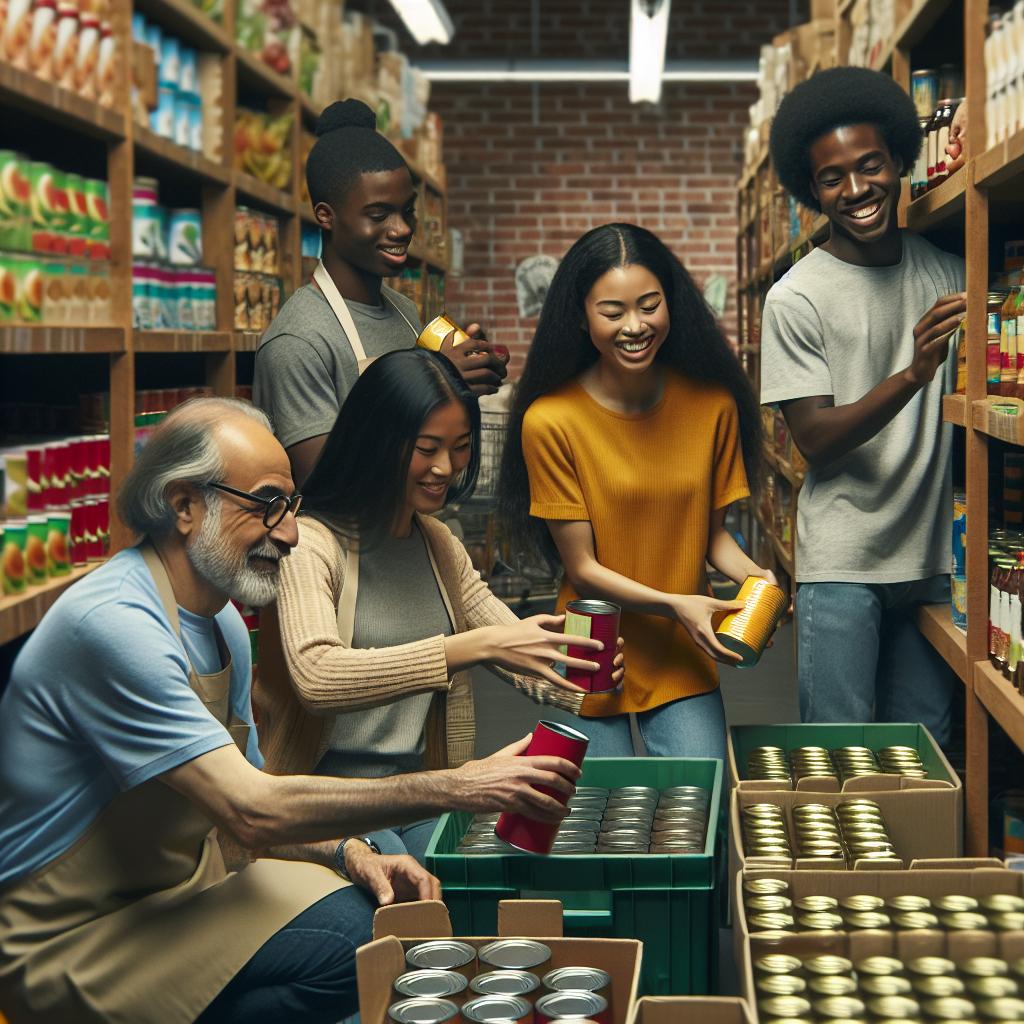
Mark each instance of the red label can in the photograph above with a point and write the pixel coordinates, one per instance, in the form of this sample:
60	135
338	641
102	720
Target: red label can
528	834
598	620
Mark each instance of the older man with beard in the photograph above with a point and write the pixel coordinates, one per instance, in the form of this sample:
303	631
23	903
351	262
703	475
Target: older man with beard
126	742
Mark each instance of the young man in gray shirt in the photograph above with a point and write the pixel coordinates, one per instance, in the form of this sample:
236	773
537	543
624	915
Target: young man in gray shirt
855	340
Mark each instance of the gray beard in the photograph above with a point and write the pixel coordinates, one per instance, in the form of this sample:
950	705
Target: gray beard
230	572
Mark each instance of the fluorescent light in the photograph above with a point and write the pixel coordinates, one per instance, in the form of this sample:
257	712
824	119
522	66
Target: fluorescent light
428	21
648	30
551	70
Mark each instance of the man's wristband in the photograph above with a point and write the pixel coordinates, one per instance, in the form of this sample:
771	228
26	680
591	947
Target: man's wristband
339	853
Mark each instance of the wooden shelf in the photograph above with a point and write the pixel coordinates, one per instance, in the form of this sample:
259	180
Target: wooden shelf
260	192
186	21
940	205
781	552
309	111
783	466
936	623
179	157
954	409
1002	163
1001	700
20	613
59	106
52	339
986	419
183	341
263	78
306	213
784	254
245	341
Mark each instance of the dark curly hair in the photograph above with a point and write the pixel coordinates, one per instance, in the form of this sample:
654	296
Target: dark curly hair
830	100
561	350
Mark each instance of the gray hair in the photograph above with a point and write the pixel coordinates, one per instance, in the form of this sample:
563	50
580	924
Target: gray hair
182	449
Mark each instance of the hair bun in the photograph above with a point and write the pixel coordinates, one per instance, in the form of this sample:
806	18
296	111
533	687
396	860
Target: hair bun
346	114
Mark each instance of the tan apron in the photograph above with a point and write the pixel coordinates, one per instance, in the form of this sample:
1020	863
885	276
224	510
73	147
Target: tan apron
344	314
139	922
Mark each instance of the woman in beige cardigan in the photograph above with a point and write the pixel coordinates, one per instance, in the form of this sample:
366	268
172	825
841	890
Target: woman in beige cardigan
380	613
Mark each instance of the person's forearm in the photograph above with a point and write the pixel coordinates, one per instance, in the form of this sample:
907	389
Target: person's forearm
729	558
831	432
594	580
464	650
313	853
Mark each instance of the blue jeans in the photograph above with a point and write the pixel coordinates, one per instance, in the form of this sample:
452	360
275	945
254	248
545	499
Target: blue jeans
862	658
411	839
690	727
306	971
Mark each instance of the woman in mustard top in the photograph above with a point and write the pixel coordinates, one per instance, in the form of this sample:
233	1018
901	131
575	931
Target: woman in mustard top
631	427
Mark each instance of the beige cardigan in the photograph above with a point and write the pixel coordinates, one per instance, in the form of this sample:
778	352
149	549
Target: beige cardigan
309	672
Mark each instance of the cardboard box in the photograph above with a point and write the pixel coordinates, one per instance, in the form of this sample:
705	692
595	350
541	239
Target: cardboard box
855	946
931	878
924	824
698	1009
396	928
743	738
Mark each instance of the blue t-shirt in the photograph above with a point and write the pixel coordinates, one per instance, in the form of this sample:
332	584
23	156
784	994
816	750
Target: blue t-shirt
99	702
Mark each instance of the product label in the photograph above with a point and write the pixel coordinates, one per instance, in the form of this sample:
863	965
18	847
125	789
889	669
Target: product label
577	625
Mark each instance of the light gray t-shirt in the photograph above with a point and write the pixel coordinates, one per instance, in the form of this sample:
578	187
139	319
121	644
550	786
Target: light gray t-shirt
880	514
398	602
305	366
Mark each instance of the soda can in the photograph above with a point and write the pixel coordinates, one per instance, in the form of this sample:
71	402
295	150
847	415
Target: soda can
505	983
443	955
432	336
431	984
497	1010
516	955
528	834
15	571
58	553
748	631
598	620
423	1011
570	1006
35	550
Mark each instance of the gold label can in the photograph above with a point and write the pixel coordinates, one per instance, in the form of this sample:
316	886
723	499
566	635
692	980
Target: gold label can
747	632
432	336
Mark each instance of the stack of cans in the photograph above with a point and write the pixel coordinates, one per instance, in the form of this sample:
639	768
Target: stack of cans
768	904
508	982
764	832
630	819
816	831
772	763
883	988
865	834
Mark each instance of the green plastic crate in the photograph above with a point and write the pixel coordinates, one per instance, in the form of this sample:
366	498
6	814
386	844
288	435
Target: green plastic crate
669	901
743	739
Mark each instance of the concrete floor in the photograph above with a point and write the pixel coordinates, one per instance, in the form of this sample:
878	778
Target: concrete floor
764	694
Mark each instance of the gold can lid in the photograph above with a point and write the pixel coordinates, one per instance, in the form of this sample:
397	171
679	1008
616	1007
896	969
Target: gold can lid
781	984
877	966
993	988
931	966
951	1008
955	904
768	904
1004	1008
894	1007
765	886
840	1008
964	922
886	985
943	987
777	963
784	1006
915	920
1002	903
816	904
833	985
868	919
823	921
771	922
908	903
859	903
984	967
1007	922
1017	968
828	963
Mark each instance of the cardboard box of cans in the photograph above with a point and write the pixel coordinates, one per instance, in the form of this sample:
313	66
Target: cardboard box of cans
919	824
698	1009
614	964
885	976
903	754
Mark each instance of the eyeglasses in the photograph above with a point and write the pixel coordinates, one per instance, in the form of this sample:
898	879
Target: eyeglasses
275	508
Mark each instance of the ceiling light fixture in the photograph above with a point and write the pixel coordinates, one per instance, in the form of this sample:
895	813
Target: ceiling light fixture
648	31
428	21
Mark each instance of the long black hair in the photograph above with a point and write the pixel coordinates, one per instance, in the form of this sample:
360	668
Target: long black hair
562	350
359	482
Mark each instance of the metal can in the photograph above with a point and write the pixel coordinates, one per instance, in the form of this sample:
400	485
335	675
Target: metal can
964	922
833	985
894	1008
1007	922
781	985
984	967
868	920
886	985
924	88
765	886
432	336
570	1006
497	1010
992	988
777	963
1002	903
840	1008
821	922
931	966
600	621
862	903
769	904
955	904
879	966
816	904
904	904
774	922
1004	1008
443	955
784	1006
423	1011
748	631
430	984
516	955
827	964
942	987
579	979
951	1008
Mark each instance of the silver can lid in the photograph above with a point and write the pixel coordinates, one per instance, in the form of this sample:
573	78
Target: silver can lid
432	984
577	979
570	1005
587	606
515	954
496	1010
505	983
440	954
423	1011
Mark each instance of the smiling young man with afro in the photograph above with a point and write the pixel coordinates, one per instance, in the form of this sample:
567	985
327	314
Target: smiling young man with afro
855	340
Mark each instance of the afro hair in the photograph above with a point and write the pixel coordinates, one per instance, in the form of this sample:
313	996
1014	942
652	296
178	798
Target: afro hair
830	100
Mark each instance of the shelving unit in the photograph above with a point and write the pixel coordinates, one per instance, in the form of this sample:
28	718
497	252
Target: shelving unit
125	148
975	210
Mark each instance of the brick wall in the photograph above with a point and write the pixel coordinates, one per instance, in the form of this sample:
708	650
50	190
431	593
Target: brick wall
530	168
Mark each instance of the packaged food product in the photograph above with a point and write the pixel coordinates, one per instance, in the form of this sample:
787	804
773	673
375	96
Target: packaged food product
161	120
98	212
43	38
35	550
76	227
55	297
14	569
106	68
17	31
58	553
185	239
15	202
924	88
8	288
65	47
87	56
28	289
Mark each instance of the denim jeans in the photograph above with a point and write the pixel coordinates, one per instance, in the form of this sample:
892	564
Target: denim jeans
411	839
689	727
304	972
862	658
